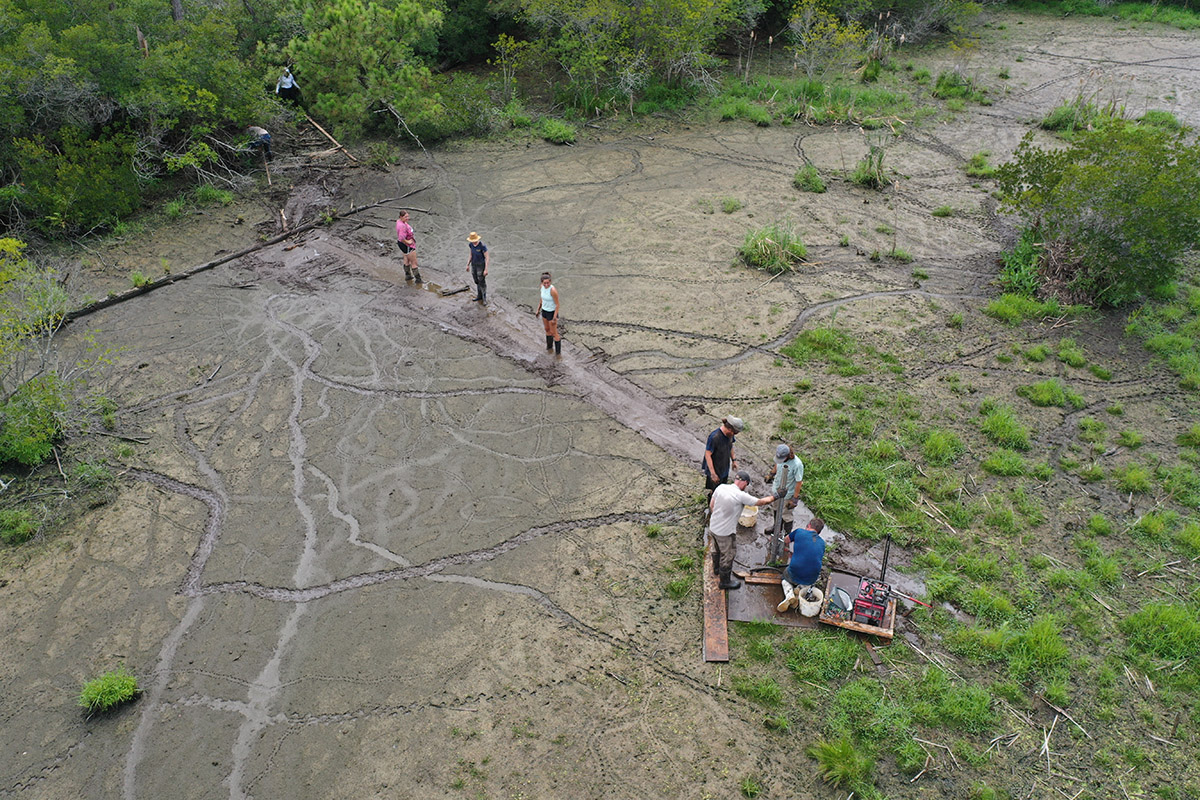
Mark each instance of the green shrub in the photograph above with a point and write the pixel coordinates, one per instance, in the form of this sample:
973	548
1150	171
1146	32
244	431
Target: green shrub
1117	211
17	526
80	184
89	475
556	131
32	420
1161	119
807	179
1050	392
774	248
955	86
1002	427
174	208
516	115
1167	630
138	279
108	691
841	764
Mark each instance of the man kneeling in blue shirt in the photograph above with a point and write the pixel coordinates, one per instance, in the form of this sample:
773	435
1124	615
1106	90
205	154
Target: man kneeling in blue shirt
808	551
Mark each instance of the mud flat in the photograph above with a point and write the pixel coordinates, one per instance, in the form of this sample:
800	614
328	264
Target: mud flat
382	544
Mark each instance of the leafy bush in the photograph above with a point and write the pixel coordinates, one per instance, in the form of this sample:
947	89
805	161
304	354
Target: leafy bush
807	179
108	691
17	526
1117	210
774	248
32	420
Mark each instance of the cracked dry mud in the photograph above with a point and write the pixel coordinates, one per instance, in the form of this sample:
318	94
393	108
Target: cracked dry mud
382	545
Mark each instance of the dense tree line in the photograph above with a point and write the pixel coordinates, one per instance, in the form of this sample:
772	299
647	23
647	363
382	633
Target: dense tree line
103	104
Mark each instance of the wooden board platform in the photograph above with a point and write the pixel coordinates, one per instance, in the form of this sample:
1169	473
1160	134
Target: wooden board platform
716	622
849	582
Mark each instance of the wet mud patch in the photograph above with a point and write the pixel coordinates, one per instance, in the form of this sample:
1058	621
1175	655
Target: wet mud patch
346	563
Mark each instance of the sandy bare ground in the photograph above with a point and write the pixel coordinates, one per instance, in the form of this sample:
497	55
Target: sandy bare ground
383	545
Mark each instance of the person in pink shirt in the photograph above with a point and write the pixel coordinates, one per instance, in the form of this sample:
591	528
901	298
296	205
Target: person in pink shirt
407	243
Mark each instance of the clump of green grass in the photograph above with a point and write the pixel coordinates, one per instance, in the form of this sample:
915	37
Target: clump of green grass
1092	430
1129	438
1190	437
774	248
1188	538
211	195
1037	354
1039	650
1161	119
807	179
941	447
1070	354
730	204
1014	309
1051	392
977	166
680	588
763	689
1133	478
1103	373
653	530
943	211
821	657
841	764
108	691
955	321
557	131
1167	630
1092	473
750	788
869	172
956	86
17	526
138	279
1001	426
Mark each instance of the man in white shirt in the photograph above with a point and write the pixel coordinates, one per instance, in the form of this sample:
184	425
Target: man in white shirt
726	505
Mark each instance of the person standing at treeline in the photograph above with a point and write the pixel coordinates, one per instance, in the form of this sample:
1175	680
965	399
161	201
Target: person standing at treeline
478	265
550	307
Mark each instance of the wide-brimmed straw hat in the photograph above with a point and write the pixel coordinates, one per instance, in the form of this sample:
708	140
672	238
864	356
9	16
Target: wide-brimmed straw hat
473	238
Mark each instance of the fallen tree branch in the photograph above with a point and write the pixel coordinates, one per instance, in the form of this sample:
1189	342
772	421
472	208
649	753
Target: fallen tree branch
166	280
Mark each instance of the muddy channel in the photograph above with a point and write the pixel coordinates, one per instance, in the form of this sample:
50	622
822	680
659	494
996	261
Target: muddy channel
382	544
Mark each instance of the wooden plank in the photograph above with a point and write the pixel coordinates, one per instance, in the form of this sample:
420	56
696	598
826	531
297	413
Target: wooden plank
766	578
716	623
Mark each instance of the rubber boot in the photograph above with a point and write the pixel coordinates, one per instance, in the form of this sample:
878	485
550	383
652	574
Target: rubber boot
407	273
716	559
417	276
558	347
728	581
549	343
788	598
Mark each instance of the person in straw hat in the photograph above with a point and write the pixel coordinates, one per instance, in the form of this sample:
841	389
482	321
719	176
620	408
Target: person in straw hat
478	266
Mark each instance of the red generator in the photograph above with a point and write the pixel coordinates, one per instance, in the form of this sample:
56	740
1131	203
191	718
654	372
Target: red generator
872	600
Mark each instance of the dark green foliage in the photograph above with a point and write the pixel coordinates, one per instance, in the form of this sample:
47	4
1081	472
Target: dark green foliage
1020	272
17	526
1117	210
31	421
